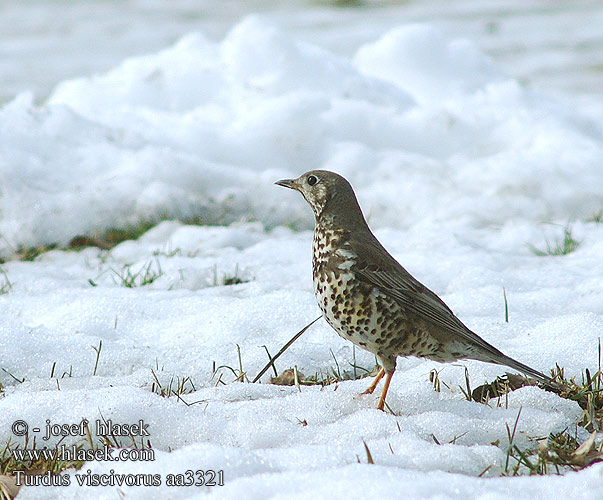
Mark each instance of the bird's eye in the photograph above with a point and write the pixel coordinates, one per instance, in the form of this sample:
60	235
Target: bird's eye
312	180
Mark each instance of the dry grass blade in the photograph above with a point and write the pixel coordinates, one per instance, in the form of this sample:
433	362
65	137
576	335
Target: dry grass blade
283	349
296	378
270	358
369	457
511	438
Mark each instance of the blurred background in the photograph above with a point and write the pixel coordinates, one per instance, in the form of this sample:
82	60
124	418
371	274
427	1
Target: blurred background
552	45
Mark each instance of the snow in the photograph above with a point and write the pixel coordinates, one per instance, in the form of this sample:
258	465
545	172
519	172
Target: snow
197	129
420	60
458	168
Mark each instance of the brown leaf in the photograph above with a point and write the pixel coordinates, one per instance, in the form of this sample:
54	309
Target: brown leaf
287	377
8	487
586	453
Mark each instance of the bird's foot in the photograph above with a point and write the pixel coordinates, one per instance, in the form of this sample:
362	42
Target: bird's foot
381	404
371	388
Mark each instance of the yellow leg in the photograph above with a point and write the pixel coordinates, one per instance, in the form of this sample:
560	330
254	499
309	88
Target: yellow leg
376	380
388	379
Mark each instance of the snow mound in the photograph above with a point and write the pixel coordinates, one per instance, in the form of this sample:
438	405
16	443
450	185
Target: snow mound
426	129
418	59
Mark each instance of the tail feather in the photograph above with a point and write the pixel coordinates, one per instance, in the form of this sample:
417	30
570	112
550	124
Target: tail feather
548	383
512	363
486	352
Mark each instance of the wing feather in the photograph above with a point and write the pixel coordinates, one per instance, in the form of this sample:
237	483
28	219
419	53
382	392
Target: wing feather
392	279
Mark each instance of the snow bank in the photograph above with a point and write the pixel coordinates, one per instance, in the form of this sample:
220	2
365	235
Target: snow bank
269	440
425	128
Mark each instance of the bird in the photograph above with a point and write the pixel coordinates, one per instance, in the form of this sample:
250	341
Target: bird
368	298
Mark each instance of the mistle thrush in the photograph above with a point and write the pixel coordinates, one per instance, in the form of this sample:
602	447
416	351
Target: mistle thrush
370	299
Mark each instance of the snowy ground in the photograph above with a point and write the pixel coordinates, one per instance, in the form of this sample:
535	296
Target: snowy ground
459	168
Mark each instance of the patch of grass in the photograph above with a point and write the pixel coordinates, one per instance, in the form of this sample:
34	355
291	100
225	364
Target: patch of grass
9	461
229	279
332	375
177	386
558	247
30	254
588	393
51	463
335	374
176	252
562	451
103	239
597	217
297	225
233	280
347	3
239	374
113	237
558	453
145	275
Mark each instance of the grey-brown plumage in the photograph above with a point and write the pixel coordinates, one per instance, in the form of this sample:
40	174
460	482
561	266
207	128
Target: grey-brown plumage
370	299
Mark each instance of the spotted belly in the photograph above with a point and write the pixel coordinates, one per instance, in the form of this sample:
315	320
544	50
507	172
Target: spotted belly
353	312
362	314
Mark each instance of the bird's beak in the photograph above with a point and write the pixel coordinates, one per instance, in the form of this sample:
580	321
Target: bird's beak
288	183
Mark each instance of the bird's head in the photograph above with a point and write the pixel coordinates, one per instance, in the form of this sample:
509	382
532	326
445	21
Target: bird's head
323	190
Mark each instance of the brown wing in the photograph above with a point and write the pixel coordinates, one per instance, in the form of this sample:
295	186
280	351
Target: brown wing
377	267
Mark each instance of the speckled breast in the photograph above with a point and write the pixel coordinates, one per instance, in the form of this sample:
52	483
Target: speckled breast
360	312
356	310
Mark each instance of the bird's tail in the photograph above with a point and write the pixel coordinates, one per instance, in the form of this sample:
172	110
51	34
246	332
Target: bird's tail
548	382
512	363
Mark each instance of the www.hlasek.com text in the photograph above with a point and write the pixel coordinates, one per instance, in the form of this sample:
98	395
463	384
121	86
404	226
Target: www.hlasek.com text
77	453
